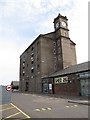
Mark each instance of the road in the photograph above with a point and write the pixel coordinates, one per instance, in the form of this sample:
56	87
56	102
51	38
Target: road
40	106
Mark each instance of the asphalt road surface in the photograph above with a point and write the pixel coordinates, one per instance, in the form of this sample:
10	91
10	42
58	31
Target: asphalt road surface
39	106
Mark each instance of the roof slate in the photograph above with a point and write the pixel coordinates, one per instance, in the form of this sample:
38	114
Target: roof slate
73	69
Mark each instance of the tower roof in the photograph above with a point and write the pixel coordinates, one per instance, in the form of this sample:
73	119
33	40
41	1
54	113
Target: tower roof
60	16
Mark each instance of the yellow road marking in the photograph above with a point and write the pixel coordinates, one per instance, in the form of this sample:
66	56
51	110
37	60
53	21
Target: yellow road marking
4	104
13	115
7	109
20	111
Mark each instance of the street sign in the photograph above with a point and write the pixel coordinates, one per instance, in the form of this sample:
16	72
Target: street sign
8	87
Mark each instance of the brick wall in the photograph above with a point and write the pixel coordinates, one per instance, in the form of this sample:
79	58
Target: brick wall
70	88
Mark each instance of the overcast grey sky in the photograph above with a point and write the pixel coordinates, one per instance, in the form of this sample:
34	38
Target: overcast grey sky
21	21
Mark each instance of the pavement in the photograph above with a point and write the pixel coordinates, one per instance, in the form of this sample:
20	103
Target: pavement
85	100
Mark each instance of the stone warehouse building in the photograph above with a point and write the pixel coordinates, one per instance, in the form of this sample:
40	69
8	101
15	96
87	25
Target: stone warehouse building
48	54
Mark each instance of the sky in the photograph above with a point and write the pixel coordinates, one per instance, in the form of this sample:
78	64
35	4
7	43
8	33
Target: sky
21	21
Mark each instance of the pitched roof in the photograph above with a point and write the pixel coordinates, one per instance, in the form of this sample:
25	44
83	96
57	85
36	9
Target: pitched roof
15	83
73	69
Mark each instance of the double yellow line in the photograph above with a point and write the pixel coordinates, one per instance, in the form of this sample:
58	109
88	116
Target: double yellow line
13	106
20	111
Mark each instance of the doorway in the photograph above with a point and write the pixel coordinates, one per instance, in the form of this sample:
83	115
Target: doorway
85	86
45	88
27	86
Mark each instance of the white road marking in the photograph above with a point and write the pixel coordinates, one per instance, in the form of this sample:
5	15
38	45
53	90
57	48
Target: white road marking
37	110
49	109
67	106
76	105
43	109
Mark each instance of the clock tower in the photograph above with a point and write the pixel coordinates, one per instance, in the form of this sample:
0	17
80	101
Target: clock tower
65	47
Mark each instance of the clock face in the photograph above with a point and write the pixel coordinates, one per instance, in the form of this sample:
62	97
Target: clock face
57	24
63	24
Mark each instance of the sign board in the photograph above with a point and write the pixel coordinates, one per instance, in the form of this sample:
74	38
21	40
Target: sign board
50	86
61	80
8	87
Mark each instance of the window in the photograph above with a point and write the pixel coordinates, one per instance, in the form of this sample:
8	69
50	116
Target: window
32	58
55	67
23	61
32	62
38	72
59	57
59	50
32	54
54	43
55	59
58	42
31	76
23	67
23	73
37	42
38	66
32	70
27	77
65	34
23	64
54	51
38	58
32	48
